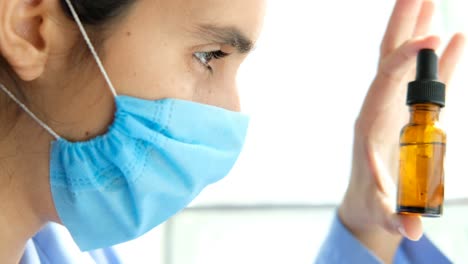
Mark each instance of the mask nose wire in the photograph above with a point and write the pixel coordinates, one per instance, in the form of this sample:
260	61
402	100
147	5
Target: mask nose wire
91	48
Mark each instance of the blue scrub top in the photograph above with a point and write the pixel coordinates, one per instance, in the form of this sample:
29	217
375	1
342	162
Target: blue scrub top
54	245
342	247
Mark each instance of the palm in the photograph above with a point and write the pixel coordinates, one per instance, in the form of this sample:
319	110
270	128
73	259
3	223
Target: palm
384	125
383	114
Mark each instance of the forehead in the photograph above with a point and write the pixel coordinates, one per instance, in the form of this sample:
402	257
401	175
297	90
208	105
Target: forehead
246	15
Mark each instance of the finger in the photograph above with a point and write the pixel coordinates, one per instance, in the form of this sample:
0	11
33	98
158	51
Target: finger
451	57
425	19
402	24
406	225
411	227
386	192
390	221
397	65
392	72
423	26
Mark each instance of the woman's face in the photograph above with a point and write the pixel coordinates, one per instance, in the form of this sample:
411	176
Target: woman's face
185	49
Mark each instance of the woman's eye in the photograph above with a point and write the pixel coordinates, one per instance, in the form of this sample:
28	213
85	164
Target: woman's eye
206	57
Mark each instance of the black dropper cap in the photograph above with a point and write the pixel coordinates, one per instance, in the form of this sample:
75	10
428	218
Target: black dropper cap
426	88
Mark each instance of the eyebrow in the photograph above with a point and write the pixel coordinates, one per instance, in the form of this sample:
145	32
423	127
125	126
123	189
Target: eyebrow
226	35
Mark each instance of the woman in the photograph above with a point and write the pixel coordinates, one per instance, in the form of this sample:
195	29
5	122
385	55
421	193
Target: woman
123	158
113	148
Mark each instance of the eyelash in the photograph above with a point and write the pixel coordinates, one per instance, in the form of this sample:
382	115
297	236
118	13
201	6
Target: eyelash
206	57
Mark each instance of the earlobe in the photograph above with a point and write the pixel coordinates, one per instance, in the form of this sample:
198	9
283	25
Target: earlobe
22	36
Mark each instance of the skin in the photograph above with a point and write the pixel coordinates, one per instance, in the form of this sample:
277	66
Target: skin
148	53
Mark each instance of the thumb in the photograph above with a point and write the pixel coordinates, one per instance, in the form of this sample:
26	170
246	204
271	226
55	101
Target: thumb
409	226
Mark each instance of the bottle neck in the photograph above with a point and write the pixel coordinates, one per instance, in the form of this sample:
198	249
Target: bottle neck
424	113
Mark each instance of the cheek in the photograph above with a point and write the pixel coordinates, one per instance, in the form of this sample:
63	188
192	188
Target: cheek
152	66
150	73
169	73
148	61
219	89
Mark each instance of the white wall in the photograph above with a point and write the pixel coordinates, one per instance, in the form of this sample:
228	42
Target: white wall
303	87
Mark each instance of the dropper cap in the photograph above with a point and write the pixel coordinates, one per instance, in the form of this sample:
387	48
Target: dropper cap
426	88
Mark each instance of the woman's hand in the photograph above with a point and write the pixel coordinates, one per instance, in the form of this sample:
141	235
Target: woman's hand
368	209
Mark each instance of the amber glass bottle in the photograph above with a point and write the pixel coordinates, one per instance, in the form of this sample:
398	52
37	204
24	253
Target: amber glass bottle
422	143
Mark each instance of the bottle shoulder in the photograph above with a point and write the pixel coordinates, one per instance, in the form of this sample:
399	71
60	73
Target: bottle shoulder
412	133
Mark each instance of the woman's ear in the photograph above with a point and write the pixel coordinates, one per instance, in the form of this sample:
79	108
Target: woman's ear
23	35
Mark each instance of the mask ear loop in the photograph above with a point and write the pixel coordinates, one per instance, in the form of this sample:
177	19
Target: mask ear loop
30	113
96	58
91	48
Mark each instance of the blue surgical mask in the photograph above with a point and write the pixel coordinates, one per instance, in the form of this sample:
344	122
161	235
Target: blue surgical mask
156	157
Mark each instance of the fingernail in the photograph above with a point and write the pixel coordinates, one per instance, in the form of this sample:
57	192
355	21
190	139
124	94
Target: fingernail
398	226
403	232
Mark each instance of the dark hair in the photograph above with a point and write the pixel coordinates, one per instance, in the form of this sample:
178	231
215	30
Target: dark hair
95	12
97	16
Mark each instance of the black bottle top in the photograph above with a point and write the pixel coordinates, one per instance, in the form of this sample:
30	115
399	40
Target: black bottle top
426	88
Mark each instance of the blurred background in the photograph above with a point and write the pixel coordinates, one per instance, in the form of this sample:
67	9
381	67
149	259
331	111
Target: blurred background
303	87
